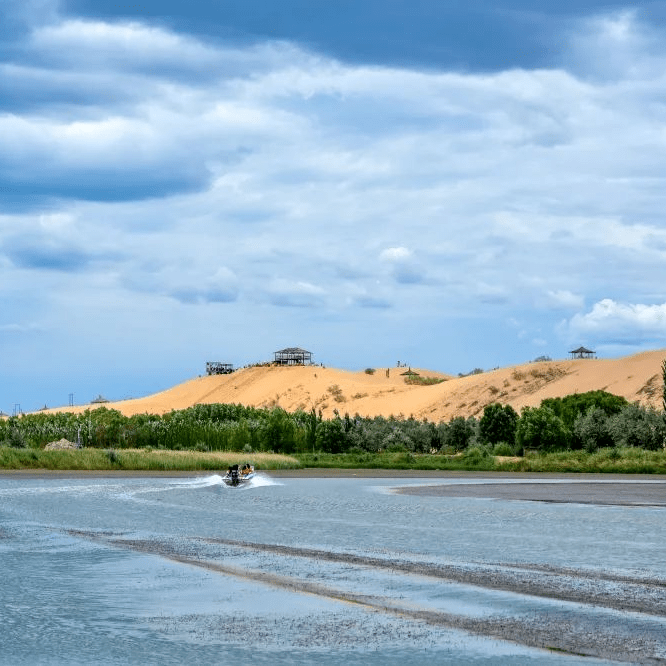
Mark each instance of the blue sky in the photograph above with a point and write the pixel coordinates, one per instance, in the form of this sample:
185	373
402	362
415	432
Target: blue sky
452	185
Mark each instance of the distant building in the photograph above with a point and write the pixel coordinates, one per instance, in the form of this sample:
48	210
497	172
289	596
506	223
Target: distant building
217	368
293	356
582	352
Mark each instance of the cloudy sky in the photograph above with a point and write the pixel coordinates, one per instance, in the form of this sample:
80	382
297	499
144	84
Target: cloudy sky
451	185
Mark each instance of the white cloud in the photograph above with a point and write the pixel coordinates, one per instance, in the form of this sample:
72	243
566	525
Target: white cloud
90	42
395	254
563	298
144	167
615	321
19	328
617	45
290	293
405	267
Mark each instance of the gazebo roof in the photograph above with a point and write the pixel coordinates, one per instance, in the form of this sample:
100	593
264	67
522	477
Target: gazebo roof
292	350
581	350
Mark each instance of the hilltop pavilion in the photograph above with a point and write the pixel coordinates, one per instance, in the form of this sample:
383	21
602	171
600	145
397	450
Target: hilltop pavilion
582	352
293	356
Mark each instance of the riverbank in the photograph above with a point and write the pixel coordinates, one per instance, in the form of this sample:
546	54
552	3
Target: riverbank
604	461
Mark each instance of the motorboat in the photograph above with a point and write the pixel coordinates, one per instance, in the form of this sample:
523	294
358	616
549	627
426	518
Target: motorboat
238	475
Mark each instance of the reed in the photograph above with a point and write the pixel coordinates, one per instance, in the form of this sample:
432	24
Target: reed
397	460
138	459
628	460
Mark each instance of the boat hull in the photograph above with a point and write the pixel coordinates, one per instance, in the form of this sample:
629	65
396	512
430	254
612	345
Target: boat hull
236	478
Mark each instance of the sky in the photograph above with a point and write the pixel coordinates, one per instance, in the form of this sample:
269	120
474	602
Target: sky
449	185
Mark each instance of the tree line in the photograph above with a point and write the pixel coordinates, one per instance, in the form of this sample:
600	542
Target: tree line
588	421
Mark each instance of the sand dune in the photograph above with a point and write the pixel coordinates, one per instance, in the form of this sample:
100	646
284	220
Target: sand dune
637	378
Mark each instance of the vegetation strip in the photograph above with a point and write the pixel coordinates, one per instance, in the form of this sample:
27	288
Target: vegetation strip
589	432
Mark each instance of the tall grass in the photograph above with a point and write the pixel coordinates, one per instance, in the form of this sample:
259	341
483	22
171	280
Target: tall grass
616	461
137	459
627	460
397	460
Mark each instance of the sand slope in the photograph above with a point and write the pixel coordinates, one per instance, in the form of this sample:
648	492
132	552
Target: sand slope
637	378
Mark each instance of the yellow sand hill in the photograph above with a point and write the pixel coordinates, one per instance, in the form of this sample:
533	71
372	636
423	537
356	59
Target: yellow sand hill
637	378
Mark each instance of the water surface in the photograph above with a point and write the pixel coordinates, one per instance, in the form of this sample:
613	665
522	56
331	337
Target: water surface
301	570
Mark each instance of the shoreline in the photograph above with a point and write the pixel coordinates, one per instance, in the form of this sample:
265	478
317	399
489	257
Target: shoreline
333	472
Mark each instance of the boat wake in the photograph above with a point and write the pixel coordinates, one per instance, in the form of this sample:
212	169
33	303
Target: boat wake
257	481
261	480
201	482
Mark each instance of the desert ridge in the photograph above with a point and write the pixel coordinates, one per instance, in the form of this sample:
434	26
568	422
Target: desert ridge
636	378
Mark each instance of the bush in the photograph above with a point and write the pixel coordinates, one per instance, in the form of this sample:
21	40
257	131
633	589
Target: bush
476	455
504	449
398	442
369	371
591	430
16	439
540	428
417	380
638	427
458	433
113	457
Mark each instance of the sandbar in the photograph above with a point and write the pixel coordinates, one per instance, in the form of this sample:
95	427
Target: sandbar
601	492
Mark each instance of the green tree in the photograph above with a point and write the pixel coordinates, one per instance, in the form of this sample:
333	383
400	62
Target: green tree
331	436
498	424
570	407
540	428
279	431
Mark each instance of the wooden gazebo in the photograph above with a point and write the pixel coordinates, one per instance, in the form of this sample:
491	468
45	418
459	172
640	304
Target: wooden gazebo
293	356
582	352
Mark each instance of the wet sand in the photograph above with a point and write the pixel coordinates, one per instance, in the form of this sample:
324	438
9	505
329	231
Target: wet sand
605	493
565	629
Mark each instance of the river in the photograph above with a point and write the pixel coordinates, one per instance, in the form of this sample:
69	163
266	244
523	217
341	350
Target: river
162	570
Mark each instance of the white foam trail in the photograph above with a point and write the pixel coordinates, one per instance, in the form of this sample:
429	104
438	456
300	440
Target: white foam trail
73	489
260	480
201	481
